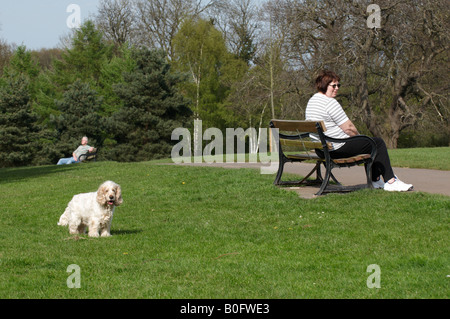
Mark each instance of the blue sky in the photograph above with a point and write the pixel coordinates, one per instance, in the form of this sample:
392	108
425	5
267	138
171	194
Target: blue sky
39	23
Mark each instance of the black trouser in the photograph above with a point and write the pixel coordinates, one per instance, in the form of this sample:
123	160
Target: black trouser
381	165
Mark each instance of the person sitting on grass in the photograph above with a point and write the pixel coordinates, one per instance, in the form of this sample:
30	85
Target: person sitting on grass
323	107
82	149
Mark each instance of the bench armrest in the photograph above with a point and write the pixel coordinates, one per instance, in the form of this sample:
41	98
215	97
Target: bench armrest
87	155
294	137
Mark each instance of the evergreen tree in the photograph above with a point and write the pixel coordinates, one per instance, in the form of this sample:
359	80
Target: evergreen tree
92	60
18	129
78	118
84	59
152	109
112	73
23	63
20	133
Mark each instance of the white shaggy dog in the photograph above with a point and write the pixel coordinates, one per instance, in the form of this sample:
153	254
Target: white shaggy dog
93	210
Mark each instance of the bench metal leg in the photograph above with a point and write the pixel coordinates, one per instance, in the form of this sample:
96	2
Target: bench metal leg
318	175
279	173
331	175
324	181
368	167
316	169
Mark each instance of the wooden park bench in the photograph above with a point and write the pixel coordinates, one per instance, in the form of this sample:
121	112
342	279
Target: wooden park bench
305	137
88	156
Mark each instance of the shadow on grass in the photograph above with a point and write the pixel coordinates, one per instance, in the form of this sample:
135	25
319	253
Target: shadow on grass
123	232
120	232
10	175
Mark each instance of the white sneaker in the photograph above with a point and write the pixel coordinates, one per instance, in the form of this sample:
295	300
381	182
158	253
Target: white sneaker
379	184
398	186
410	185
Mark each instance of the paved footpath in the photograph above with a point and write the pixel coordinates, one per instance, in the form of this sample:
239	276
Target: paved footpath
424	180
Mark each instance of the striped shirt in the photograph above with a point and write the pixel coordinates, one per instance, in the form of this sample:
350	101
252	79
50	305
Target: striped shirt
323	108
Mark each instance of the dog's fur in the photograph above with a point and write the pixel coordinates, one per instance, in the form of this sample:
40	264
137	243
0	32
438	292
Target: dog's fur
93	210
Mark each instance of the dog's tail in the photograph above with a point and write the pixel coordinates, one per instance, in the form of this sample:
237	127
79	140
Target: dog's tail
64	219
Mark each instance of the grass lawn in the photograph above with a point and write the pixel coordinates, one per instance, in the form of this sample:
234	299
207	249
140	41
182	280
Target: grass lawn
430	158
196	232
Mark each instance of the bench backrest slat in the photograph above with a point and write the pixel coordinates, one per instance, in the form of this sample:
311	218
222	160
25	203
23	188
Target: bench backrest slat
301	144
298	126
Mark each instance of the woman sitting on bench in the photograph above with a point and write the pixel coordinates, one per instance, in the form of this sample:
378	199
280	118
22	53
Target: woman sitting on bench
323	107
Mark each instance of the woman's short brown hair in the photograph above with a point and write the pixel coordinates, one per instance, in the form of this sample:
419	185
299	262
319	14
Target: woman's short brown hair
326	77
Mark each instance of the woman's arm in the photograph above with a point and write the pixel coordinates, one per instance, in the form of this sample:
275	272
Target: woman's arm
349	128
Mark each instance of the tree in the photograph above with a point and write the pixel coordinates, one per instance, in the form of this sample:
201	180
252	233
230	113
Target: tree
23	63
45	57
6	51
237	20
78	117
159	20
18	129
117	20
259	96
91	59
112	73
200	51
386	70
85	58
412	78
152	109
20	133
